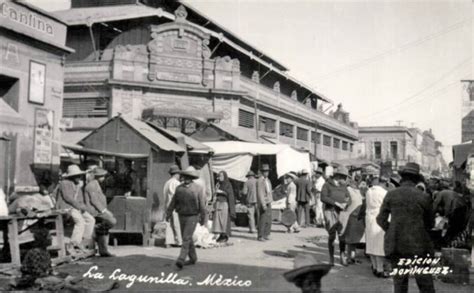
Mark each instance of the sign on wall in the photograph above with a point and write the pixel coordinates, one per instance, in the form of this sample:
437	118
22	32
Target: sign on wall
37	83
44	125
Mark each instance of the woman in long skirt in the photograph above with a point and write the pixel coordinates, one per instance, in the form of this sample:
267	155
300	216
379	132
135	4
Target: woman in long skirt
352	226
374	235
224	207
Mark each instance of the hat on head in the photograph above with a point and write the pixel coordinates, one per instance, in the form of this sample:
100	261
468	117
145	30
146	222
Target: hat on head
265	167
342	171
410	169
73	170
97	171
174	169
421	186
292	175
304	264
250	174
319	170
190	172
304	171
395	178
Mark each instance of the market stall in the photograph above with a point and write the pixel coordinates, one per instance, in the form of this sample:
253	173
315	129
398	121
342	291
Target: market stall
236	157
137	158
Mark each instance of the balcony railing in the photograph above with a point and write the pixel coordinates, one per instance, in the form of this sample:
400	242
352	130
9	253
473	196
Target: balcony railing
87	71
282	101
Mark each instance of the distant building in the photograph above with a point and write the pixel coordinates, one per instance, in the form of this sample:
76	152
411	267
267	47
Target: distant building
167	62
383	144
398	145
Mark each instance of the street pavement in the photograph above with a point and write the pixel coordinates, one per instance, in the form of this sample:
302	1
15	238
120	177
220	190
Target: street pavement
245	261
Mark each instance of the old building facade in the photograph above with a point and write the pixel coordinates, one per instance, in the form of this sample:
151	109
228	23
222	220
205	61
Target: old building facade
167	62
32	54
399	145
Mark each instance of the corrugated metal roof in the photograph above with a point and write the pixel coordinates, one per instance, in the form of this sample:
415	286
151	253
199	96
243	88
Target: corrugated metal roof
194	145
89	15
152	135
78	16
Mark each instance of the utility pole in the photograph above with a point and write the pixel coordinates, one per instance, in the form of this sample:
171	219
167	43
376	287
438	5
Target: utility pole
399	122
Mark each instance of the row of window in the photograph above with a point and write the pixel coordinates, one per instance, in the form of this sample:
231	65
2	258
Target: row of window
247	119
393	150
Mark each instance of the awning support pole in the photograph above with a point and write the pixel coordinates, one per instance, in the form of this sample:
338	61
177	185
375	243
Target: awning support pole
89	25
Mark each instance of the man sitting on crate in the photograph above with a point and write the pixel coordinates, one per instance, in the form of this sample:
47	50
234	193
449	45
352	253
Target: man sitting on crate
97	203
70	197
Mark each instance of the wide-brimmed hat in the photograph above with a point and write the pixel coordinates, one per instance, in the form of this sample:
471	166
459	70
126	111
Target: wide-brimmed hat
190	172
395	178
304	171
73	170
250	174
304	264
288	217
98	171
265	167
342	171
174	169
292	175
410	169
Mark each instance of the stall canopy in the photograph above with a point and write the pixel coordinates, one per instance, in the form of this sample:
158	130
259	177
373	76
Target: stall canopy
355	163
77	149
235	157
461	152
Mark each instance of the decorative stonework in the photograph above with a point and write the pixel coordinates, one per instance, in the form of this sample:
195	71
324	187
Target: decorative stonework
181	14
294	95
256	76
308	102
276	86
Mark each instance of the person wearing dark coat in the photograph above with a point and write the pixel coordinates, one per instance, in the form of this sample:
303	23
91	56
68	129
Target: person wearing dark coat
303	198
336	198
407	233
224	208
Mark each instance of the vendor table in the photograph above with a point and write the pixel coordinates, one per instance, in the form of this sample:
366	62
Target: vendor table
132	216
10	227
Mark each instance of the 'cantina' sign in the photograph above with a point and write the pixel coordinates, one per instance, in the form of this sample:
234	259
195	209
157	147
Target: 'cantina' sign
27	18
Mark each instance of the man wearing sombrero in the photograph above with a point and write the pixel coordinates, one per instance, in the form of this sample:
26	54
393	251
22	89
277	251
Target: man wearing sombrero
190	204
407	232
249	191
70	197
307	273
97	202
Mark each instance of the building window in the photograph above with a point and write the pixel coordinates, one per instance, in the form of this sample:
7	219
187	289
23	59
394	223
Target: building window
246	119
394	150
266	124
378	150
345	145
337	143
286	129
85	107
315	137
302	134
351	147
326	140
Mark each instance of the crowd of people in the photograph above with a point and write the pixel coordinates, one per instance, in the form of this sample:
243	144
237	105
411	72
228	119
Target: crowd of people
399	215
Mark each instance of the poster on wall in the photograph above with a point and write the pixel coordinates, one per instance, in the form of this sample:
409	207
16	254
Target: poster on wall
37	82
44	125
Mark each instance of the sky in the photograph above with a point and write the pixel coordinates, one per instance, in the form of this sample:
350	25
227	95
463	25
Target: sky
385	61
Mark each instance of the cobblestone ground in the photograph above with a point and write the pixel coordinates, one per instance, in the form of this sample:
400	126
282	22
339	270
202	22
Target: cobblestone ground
262	263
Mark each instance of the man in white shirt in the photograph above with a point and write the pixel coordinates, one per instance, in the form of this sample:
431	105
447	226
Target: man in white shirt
318	181
173	230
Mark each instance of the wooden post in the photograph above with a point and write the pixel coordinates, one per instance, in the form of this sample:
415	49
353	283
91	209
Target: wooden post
316	139
184	158
14	243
